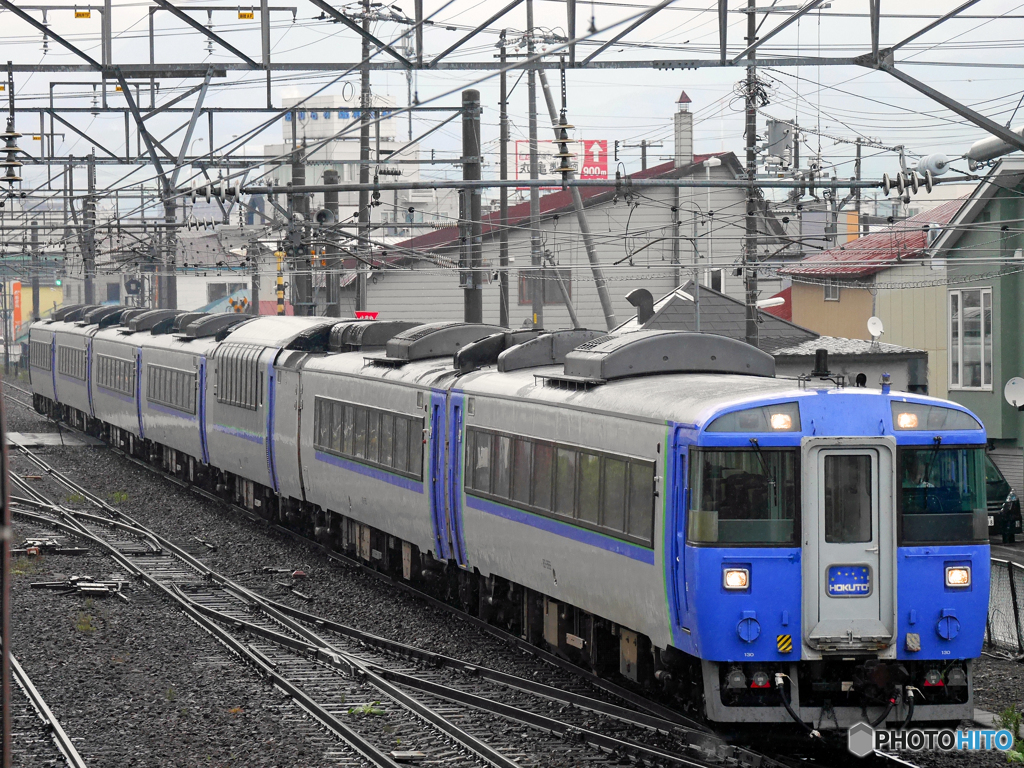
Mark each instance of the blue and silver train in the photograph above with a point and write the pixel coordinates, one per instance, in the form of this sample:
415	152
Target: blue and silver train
654	505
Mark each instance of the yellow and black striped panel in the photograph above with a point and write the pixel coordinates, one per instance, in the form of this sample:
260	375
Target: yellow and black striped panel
784	643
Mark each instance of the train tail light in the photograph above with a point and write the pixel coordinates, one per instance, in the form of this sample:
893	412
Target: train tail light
760	680
933	678
957	677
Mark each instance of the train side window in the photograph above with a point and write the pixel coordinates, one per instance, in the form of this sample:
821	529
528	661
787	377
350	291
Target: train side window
401	448
335	413
543	459
480	459
348	425
415	446
323	423
521	470
641	500
613	494
502	465
565	481
359	433
589	487
387	436
372	436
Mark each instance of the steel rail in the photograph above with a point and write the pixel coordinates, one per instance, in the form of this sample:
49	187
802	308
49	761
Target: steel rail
356	742
354	666
50	721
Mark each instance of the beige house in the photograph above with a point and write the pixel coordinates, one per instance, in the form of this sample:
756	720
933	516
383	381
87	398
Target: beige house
890	275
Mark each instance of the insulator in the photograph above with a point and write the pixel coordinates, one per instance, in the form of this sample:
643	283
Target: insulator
886	184
900	183
912	177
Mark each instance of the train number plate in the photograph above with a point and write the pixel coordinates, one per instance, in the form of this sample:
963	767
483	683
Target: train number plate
991	521
849	581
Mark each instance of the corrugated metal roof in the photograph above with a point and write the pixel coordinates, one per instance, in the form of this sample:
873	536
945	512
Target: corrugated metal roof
879	250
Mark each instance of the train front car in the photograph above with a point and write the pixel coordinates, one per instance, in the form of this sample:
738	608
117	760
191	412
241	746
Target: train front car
837	558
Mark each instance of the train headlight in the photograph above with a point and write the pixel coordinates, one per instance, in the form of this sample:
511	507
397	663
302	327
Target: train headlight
906	420
782	421
958	576
735	578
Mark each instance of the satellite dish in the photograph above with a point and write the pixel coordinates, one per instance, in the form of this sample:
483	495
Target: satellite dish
1014	392
875	327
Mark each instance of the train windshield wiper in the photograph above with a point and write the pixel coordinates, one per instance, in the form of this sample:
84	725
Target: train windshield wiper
769	472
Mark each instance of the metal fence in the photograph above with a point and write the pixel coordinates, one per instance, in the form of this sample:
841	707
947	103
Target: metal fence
1004	629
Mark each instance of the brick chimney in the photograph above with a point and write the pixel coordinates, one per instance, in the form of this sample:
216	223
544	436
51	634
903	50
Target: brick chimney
684	131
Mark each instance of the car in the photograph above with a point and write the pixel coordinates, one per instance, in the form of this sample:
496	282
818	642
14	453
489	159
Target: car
1004	517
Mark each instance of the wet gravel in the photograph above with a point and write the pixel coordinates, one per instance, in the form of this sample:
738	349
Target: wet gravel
340	593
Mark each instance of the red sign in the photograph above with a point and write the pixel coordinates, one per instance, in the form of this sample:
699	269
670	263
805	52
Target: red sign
16	306
594	161
366	315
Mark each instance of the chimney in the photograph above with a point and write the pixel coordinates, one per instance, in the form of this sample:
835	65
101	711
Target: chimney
684	131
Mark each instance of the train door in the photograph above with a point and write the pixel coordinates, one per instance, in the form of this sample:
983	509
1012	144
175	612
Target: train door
204	446
438	446
455	469
848	533
138	389
675	547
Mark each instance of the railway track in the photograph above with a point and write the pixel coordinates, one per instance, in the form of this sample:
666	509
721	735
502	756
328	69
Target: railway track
467	697
37	738
367	690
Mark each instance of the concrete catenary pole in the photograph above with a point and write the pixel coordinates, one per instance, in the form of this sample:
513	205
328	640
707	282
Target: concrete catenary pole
750	241
364	166
536	281
582	222
473	294
333	261
89	230
503	195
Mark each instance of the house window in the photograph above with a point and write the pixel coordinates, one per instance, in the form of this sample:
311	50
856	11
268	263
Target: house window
831	291
970	338
546	281
716	280
113	292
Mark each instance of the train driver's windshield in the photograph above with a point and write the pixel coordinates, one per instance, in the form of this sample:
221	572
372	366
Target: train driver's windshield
942	495
748	496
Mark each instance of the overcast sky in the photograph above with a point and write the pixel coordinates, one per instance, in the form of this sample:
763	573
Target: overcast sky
834	104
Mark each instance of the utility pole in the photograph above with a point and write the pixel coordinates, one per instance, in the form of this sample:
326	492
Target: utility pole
856	193
254	290
364	165
333	261
473	297
644	145
36	266
750	243
503	320
89	231
536	281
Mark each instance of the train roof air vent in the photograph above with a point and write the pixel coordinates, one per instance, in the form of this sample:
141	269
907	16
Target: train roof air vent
486	350
367	334
185	319
147	320
61	312
435	340
546	349
646	352
98	315
129	313
206	326
77	313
